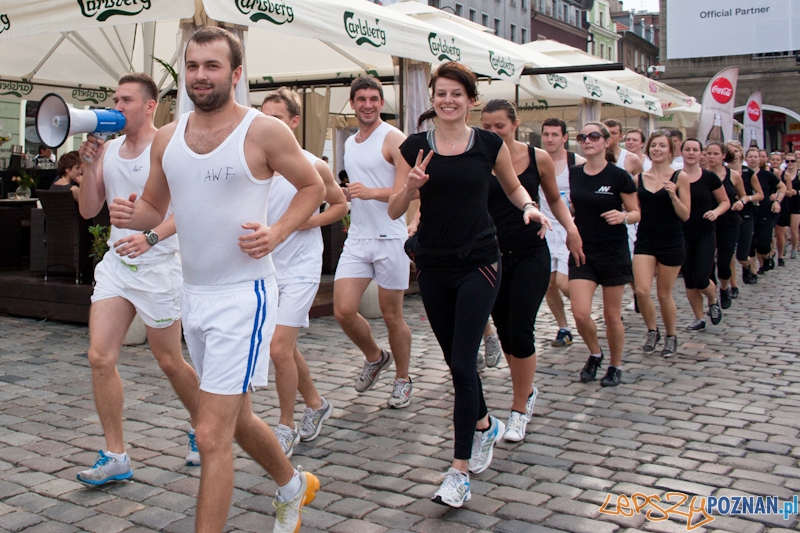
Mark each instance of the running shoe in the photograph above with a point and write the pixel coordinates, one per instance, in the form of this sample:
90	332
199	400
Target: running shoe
612	377
287	514
781	263
715	313
563	338
670	346
288	438
770	263
793	254
370	371
106	469
763	270
481	363
311	423
483	445
516	427
401	394
589	372
697	325
454	491
530	403
734	293
653	336
492	350
193	457
725	300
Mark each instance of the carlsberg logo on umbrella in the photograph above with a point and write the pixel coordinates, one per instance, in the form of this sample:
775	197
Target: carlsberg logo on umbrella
5	24
275	12
624	95
362	31
591	87
15	88
105	9
650	105
501	65
557	82
442	50
89	95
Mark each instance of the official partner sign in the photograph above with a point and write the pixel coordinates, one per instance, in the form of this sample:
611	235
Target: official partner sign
731	27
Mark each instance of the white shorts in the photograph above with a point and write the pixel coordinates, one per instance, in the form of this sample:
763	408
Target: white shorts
559	253
154	289
383	260
295	299
228	329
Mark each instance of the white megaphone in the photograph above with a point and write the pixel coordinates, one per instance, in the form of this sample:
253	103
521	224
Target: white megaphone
56	121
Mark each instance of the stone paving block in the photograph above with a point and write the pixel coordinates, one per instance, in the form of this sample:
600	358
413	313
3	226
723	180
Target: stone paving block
352	508
580	525
392	518
103	523
350	526
516	526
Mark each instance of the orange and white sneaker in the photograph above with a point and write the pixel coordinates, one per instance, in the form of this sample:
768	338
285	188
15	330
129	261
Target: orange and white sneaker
287	517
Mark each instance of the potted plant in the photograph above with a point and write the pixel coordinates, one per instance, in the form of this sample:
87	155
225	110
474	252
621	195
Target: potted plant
100	235
25	182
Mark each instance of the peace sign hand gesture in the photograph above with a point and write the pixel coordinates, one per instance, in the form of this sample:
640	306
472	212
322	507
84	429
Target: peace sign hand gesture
417	177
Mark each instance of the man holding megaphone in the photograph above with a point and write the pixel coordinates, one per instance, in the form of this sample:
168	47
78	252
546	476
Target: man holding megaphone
141	273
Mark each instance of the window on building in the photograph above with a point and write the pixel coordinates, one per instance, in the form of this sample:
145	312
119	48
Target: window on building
485	19
498	27
578	17
601	22
473	15
523	35
512	34
460	10
435	3
636	59
523	4
512	3
566	13
602	50
554	12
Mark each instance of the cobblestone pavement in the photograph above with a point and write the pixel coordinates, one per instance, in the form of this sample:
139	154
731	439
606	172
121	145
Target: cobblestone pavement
719	420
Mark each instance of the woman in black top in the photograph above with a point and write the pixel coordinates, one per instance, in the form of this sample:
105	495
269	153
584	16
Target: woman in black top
752	191
457	257
726	225
525	260
664	200
604	199
766	216
784	217
708	202
746	250
791	178
69	174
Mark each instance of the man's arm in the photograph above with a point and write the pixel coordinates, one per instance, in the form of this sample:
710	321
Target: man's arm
391	152
136	245
151	209
633	165
92	192
337	204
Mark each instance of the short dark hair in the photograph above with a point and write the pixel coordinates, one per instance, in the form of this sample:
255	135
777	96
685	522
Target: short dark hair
289	97
365	82
613	123
147	86
554	122
210	34
67	161
501	104
635	130
676	133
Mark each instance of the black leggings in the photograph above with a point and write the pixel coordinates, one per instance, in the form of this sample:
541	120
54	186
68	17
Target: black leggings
458	306
525	279
699	262
727	236
763	235
745	239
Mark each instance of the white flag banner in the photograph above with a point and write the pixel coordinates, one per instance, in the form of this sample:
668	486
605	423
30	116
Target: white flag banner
716	118
754	121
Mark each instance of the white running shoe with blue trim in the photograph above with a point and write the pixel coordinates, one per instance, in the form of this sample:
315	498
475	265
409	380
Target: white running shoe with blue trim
105	470
483	445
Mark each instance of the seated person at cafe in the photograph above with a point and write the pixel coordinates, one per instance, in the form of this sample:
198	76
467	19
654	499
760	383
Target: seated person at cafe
69	174
46	155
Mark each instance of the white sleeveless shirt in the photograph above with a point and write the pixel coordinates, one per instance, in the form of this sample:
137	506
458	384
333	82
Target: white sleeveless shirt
213	195
121	177
623	153
562	181
364	163
299	257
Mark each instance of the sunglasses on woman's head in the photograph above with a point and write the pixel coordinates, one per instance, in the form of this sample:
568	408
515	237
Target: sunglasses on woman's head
593	136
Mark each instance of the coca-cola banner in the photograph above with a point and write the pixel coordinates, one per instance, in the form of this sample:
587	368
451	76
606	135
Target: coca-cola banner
754	121
716	118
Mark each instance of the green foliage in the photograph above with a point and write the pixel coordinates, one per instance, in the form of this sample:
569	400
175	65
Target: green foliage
168	68
346	222
25	180
100	235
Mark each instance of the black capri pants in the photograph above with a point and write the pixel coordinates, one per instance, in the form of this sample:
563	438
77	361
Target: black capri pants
762	235
526	276
699	263
745	240
458	304
727	237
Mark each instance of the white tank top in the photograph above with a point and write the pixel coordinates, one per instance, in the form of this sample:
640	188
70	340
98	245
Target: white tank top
299	257
213	195
562	181
122	177
364	163
623	153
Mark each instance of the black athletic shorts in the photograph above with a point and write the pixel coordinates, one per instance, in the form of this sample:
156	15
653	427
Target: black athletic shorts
608	266
668	253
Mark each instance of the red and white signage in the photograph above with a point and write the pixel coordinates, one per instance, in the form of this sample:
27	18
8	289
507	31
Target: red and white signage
722	90
716	117
754	122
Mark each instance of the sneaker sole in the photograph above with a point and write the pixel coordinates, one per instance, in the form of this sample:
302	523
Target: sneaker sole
501	429
455	505
312	486
193	463
400	405
316	433
111	479
513	438
556	344
377	375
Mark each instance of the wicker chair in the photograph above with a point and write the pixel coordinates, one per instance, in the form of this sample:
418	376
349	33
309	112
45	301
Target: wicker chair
65	232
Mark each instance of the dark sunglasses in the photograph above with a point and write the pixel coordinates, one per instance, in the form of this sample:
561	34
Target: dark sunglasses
790	160
594	137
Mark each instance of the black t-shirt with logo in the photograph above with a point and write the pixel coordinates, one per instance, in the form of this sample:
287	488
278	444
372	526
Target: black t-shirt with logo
591	196
703	200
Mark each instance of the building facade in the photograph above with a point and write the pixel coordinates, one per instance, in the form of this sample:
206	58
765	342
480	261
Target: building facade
559	20
509	19
603	34
638	44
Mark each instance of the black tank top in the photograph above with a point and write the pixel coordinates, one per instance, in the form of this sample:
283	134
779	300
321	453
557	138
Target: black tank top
749	207
659	224
729	217
513	235
794	201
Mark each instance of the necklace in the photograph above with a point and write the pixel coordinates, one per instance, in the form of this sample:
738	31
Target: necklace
455	144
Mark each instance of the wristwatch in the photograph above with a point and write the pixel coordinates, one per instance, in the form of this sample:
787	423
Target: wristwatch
151	237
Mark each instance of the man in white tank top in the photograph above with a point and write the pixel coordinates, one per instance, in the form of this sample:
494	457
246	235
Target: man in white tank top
215	165
634	144
140	273
374	245
554	141
298	265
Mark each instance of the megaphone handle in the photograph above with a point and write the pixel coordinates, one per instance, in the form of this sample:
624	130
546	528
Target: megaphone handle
87	159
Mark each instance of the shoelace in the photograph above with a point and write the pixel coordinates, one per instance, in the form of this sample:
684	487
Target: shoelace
452	481
102	460
516	422
285	436
671	344
282	509
399	386
651	338
365	372
307	424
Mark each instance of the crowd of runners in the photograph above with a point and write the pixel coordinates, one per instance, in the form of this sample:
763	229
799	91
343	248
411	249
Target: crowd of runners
501	226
